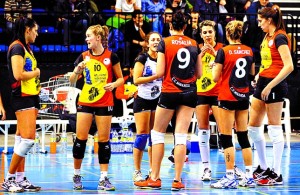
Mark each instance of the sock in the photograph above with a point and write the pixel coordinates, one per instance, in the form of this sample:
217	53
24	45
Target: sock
204	135
76	171
261	148
230	173
103	175
278	147
249	171
20	176
9	175
17	141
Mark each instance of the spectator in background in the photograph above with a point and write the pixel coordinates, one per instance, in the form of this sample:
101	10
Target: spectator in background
193	30
241	7
181	5
154	6
167	18
127	6
72	15
135	31
15	9
253	34
209	10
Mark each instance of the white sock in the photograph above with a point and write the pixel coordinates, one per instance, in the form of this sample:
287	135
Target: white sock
9	175
76	171
20	176
230	173
249	171
278	147
204	135
17	141
260	147
103	175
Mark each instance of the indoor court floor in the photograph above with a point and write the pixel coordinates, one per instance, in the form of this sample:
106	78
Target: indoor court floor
54	172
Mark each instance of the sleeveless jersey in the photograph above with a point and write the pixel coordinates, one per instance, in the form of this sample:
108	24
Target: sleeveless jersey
181	53
205	85
271	62
150	90
97	73
237	61
28	87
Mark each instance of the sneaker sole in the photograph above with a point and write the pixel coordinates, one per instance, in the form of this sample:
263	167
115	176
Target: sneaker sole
32	190
148	187
107	189
176	189
206	179
78	188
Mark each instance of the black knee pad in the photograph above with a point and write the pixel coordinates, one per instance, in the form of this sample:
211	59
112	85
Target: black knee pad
243	139
79	148
104	152
226	141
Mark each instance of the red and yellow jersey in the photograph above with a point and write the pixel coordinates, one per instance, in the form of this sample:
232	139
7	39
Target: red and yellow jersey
205	85
237	62
28	87
97	73
271	62
181	53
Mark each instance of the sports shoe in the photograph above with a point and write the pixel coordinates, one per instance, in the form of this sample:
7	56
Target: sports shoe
247	182
177	185
259	173
225	183
137	176
11	185
239	173
206	175
148	183
270	180
28	186
77	184
105	185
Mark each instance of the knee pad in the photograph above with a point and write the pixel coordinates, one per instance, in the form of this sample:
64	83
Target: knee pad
243	140
17	141
226	141
256	133
180	139
24	147
141	141
275	133
157	137
204	136
104	152
79	148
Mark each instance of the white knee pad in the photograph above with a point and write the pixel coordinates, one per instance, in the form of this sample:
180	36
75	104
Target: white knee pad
157	137
204	136
17	141
256	133
275	133
24	147
180	139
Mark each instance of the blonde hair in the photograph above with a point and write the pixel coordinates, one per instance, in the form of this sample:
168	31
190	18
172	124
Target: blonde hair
207	23
234	29
102	31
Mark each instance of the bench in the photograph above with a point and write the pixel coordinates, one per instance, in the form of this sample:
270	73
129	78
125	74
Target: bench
44	124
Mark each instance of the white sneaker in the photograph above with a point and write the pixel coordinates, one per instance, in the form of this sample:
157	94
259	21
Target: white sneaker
239	173
137	176
247	182
225	183
206	175
11	185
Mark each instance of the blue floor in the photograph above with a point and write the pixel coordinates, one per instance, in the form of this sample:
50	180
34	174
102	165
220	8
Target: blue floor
53	172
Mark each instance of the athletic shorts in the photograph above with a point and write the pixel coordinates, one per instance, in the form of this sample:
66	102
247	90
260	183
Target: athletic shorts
98	111
277	93
141	104
173	100
234	105
204	100
21	103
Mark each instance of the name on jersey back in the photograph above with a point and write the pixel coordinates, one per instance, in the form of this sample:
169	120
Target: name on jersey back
181	42
238	51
